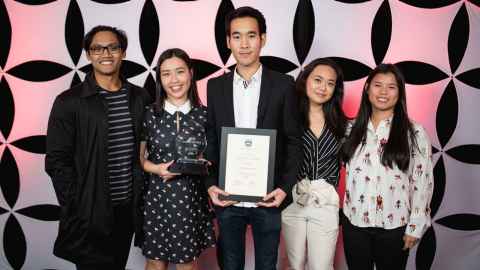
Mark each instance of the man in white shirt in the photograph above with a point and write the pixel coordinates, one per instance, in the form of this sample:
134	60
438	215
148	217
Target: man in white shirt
252	96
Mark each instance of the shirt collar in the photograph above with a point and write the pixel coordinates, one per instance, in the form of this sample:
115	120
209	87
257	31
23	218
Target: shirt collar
385	123
171	109
90	86
237	79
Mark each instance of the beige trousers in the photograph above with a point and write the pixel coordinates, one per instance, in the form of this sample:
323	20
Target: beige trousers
310	231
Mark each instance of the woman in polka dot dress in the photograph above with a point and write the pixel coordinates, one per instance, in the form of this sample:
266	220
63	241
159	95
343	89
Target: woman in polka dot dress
178	222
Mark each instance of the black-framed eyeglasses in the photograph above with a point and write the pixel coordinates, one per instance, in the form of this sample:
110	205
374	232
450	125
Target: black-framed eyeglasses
112	49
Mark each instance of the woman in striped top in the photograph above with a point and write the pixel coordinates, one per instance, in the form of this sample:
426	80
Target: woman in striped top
310	222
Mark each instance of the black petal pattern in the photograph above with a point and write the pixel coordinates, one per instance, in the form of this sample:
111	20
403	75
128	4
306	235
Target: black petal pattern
7	110
10	183
458	38
232	67
303	29
110	1
278	64
420	73
469	153
74	31
220	37
426	250
150	86
128	69
131	69
5	33
463	222
352	1
35	2
429	4
203	69
352	69
434	150
3	211
39	71
34	144
447	114
86	69
439	186
14	243
470	77
475	2
381	32
149	30
45	212
76	80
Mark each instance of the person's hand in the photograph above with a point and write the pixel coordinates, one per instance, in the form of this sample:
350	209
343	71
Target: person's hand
162	171
409	241
207	161
214	191
278	196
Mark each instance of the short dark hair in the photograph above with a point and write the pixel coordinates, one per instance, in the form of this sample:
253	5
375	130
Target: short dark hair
121	36
243	12
161	94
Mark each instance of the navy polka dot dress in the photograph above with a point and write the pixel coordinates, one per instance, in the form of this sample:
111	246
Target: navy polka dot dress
178	222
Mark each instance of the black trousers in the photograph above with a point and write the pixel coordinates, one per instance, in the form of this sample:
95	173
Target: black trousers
120	241
365	247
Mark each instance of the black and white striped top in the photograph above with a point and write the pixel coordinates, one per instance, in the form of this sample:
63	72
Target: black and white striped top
120	145
320	156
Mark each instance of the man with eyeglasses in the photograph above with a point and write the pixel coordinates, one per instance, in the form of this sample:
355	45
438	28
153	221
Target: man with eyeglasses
92	158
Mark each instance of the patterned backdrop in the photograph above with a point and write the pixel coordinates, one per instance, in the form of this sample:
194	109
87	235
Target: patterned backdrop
435	42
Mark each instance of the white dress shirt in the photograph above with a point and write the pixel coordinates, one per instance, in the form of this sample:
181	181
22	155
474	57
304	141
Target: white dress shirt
246	95
245	99
378	196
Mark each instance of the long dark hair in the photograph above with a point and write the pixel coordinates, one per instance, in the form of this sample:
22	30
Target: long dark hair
160	93
402	135
335	118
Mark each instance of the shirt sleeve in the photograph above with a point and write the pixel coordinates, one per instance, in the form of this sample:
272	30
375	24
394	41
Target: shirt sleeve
421	185
212	150
293	133
60	146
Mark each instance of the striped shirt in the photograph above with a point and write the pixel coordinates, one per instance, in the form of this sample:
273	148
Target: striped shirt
120	145
320	156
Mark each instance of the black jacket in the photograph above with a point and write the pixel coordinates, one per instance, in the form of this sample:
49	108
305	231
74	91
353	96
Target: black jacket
277	109
76	160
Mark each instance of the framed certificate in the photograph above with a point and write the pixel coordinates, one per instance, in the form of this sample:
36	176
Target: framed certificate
247	163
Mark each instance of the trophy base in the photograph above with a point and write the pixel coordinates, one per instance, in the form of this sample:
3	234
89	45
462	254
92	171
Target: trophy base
192	167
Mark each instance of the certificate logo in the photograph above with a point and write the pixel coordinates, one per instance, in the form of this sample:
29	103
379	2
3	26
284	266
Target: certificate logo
248	142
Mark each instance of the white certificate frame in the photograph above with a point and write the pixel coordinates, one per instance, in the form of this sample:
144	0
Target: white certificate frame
247	163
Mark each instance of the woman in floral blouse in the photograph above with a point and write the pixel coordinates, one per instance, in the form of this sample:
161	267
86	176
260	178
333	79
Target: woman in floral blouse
310	222
389	179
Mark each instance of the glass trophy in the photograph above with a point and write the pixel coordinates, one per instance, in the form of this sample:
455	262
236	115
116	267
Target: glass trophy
189	148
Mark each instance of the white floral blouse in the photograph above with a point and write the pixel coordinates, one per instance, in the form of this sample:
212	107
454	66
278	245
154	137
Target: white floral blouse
378	196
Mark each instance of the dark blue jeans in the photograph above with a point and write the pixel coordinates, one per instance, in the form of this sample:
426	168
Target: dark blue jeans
266	225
